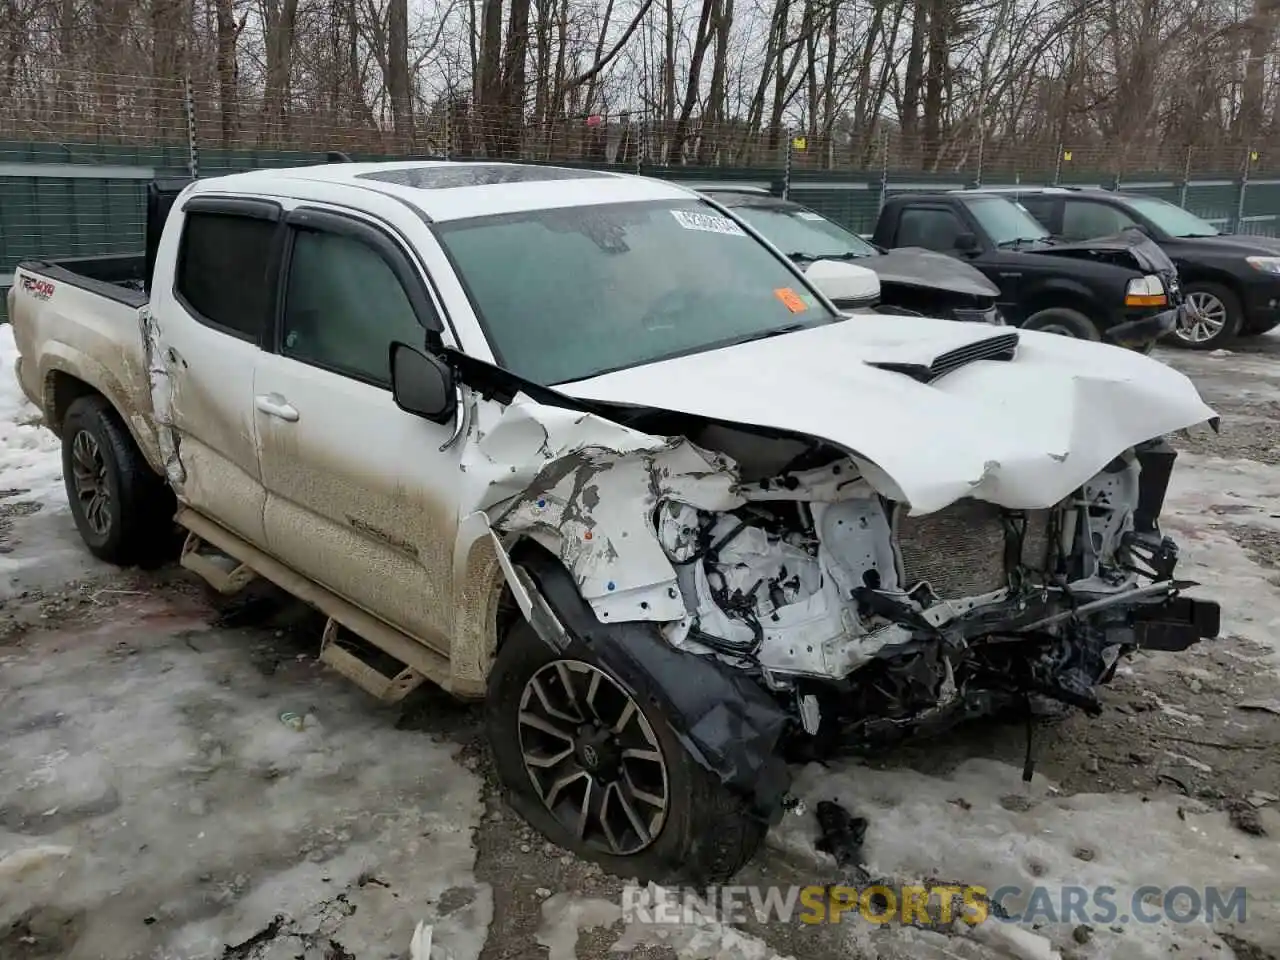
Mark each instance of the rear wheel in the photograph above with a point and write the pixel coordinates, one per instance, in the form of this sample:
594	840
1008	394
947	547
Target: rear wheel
586	756
123	510
1212	319
1065	322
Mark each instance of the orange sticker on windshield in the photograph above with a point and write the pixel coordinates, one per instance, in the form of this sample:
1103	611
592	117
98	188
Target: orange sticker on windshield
791	300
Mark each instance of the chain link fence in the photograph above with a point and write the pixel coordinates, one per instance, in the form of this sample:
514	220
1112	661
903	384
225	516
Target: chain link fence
76	155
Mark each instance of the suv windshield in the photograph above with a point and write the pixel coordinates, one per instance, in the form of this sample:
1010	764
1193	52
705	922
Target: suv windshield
569	293
802	233
1174	221
1006	222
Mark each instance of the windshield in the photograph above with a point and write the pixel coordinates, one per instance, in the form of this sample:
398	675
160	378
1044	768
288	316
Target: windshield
1005	221
797	231
1174	221
566	294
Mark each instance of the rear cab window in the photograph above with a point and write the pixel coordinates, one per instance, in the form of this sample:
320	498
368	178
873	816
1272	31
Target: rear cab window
228	264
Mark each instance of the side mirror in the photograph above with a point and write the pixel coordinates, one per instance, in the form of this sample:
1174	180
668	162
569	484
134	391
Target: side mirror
422	385
966	243
845	284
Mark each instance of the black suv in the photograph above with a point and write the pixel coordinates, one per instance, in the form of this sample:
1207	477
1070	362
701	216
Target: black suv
1231	281
1122	289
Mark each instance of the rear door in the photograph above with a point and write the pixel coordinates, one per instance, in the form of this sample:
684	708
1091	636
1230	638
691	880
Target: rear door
361	496
1046	208
211	323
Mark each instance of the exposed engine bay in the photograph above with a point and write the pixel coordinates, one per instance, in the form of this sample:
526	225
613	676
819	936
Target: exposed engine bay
877	622
796	576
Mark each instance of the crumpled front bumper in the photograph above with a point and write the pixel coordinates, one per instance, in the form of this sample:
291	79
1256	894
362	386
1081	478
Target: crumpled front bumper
1142	334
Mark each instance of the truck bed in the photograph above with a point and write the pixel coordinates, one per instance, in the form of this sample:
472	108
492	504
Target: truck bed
77	323
120	277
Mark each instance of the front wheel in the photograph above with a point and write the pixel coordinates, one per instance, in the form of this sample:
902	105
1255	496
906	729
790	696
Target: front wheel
1212	319
1063	321
587	758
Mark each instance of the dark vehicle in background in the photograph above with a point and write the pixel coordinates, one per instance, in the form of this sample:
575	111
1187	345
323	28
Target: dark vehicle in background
1120	289
1231	281
911	281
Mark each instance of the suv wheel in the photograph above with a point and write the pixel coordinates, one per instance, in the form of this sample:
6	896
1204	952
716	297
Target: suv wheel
1063	321
123	510
586	756
1213	317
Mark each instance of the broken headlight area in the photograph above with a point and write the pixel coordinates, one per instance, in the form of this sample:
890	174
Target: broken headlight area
873	623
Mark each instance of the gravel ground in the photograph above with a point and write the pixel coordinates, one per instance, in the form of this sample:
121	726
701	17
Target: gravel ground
154	805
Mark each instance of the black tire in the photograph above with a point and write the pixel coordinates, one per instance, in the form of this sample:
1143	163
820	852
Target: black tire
134	523
1064	321
1226	309
707	834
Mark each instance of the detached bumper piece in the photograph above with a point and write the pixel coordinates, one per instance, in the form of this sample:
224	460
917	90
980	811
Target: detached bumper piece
1139	333
1175	625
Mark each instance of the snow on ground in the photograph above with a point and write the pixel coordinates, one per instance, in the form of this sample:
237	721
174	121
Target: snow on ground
154	804
981	825
1206	495
39	546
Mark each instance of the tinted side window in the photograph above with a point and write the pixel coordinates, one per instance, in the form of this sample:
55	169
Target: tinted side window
226	271
934	228
1039	207
1087	220
344	306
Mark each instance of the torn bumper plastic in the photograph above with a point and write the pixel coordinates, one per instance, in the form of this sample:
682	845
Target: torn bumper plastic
1140	333
1176	624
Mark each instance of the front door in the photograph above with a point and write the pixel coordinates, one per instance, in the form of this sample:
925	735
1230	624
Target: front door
360	496
210	323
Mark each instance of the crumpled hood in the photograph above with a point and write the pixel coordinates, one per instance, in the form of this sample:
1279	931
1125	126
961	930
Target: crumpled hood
1144	252
929	270
1023	433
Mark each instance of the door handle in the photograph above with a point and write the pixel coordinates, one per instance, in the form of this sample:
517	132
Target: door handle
274	405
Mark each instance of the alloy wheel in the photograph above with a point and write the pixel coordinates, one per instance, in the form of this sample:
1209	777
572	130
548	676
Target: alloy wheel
89	472
593	758
1203	320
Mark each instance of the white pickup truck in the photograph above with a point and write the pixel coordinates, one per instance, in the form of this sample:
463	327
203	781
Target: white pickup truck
585	445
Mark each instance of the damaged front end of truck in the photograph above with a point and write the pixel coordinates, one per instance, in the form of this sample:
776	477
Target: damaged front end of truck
788	599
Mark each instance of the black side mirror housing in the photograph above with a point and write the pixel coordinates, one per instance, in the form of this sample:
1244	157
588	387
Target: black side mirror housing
967	243
422	384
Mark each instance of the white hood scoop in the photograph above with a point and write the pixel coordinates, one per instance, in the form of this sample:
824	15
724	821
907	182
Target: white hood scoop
1003	346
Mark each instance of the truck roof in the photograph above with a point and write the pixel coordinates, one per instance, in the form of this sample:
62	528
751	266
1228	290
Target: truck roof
442	190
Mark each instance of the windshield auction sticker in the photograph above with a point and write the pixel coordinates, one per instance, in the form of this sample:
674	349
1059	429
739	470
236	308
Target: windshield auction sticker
707	223
791	300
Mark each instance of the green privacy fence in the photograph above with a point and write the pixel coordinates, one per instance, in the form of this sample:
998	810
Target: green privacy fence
62	200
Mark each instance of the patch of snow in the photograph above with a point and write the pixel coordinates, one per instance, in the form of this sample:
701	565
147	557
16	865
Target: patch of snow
42	549
1248	493
699	935
153	754
1044	840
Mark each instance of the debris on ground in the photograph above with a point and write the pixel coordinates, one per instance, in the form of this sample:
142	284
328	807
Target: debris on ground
840	833
1270	705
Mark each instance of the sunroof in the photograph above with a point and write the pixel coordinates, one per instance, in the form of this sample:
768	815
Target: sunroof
444	177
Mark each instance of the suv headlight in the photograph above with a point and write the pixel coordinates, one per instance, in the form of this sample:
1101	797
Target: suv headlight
1146	291
1265	264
